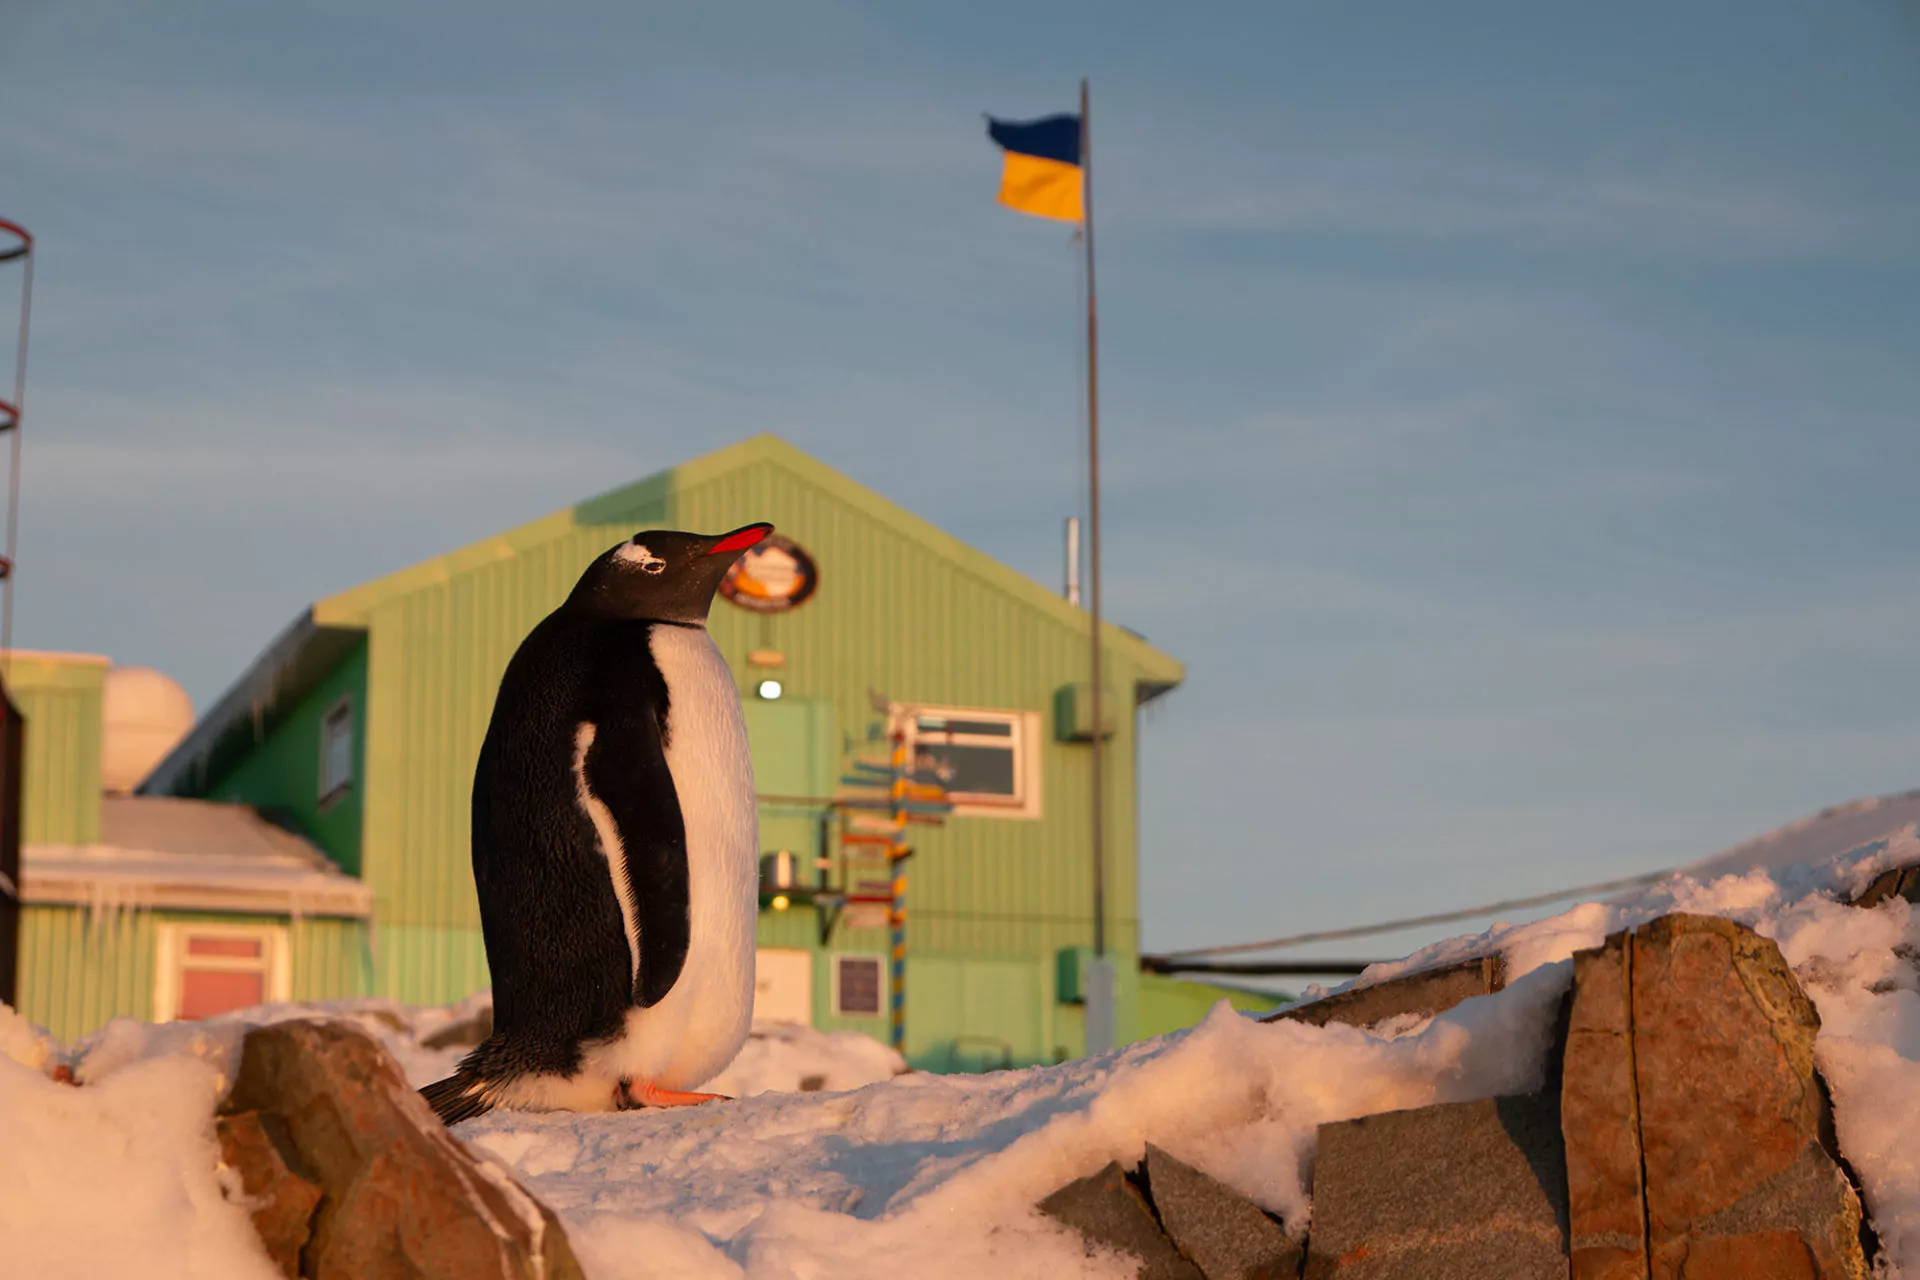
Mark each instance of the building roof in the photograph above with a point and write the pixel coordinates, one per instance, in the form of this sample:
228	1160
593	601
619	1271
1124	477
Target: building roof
165	853
317	640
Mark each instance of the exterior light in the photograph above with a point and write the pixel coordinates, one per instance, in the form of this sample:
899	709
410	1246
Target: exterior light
770	689
781	903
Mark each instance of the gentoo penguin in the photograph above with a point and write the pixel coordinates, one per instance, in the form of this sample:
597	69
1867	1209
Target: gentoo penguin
616	845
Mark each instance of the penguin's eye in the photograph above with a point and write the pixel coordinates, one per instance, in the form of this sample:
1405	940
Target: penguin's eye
641	558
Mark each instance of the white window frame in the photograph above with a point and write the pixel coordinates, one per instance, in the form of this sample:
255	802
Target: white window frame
880	986
1025	803
275	963
331	789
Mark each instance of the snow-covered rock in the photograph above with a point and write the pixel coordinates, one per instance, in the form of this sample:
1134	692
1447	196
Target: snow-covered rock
937	1176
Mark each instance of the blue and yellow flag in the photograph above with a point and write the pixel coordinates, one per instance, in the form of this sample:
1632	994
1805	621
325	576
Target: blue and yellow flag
1042	175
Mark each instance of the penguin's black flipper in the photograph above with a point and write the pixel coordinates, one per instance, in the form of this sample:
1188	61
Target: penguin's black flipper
459	1097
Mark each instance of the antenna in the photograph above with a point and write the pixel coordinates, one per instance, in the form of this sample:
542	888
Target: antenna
1073	560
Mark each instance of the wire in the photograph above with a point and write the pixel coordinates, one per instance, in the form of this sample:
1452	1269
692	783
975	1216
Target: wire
1441	917
1257	969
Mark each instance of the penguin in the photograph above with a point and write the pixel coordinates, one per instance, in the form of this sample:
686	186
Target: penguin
616	845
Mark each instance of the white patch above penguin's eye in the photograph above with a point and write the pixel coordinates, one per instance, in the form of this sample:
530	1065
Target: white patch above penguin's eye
635	554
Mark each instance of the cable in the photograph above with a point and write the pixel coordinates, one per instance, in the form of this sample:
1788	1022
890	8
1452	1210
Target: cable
1441	917
1257	969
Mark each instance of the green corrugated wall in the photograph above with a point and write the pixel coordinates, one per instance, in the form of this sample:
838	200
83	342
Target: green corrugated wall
1168	1004
284	770
78	969
61	698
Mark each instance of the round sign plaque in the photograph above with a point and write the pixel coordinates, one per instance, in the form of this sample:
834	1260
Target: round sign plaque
772	577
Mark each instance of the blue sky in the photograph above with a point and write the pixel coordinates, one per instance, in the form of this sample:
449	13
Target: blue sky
1509	408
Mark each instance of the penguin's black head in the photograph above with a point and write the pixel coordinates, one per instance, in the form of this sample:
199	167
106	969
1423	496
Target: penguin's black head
663	575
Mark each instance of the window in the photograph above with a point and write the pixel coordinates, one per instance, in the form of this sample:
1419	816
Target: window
206	969
989	761
336	751
856	986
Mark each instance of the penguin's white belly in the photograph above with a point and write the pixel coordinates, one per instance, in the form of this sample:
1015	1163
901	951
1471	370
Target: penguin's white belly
698	1027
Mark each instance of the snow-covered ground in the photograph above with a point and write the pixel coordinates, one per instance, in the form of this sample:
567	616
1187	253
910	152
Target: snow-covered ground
935	1176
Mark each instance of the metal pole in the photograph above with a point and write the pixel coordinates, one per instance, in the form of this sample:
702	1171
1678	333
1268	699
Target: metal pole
897	908
1100	1009
24	252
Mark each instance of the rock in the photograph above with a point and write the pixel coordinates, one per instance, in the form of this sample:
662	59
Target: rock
1222	1232
1458	1191
463	1034
1899	882
1600	1121
1731	1114
282	1200
1426	992
400	1196
1108	1210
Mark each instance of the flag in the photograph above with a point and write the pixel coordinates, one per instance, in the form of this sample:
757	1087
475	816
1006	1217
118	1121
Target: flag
1042	174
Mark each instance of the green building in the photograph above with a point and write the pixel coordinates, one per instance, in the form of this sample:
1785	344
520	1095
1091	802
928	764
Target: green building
358	728
156	907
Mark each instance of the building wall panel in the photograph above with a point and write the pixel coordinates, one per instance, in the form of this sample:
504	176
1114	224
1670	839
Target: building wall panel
60	697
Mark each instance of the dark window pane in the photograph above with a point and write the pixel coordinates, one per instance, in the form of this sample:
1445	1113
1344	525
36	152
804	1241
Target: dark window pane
985	728
973	770
859	987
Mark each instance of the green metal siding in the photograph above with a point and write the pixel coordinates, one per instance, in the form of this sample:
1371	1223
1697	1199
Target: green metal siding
283	772
61	700
79	969
900	609
1169	1004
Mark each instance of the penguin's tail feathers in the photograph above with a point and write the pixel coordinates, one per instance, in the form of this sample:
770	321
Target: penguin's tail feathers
461	1096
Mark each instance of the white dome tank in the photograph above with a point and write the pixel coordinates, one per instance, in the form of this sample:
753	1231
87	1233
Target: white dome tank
146	715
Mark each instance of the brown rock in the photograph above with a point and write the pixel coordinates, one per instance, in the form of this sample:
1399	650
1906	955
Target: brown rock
1459	1191
1737	1183
1692	1116
1899	882
281	1200
1426	992
401	1198
1600	1118
1108	1210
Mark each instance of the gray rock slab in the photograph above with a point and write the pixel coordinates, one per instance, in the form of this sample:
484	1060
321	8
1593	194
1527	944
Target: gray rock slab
1108	1210
1222	1232
1425	992
1458	1191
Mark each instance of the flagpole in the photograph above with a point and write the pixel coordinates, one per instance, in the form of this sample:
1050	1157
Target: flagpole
1100	1005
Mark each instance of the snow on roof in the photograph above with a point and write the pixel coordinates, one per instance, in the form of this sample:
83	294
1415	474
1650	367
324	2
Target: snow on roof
165	852
1816	839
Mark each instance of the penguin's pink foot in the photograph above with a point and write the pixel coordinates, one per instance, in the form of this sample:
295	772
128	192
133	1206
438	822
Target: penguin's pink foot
647	1094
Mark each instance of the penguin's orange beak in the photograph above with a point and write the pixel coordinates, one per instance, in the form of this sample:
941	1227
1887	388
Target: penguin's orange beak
740	539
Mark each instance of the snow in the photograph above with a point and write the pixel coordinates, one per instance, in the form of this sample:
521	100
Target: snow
1815	839
935	1176
117	1179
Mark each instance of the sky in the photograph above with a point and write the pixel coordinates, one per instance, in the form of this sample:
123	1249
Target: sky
1507	409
